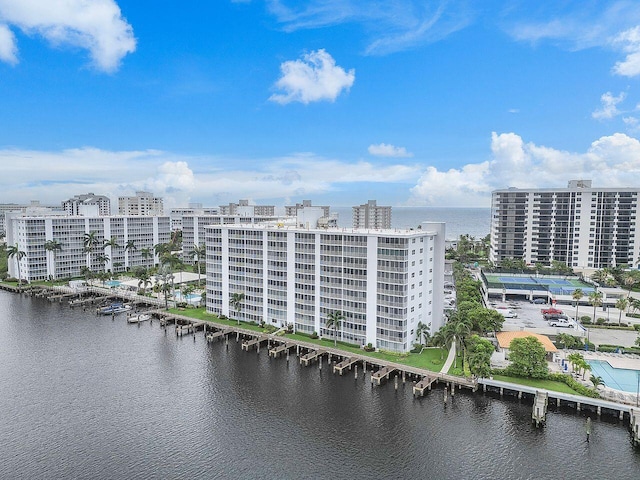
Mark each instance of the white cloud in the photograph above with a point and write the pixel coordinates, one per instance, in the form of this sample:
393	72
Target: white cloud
313	78
629	41
8	49
391	26
388	150
55	176
611	161
632	123
609	106
96	26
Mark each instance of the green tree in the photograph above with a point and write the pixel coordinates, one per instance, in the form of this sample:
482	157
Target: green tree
621	304
480	351
198	253
528	358
577	296
438	340
164	280
146	254
129	247
53	246
423	333
13	251
236	302
144	279
595	299
334	320
596	380
485	319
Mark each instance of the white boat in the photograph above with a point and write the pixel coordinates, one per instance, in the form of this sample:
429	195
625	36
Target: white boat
117	307
142	317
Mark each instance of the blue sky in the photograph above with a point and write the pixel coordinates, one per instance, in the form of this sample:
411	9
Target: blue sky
408	102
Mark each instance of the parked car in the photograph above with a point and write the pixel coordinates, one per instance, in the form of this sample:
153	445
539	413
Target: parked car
506	313
561	321
539	301
551	311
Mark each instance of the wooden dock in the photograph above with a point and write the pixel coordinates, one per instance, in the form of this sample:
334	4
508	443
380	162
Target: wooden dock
309	357
382	374
211	336
540	404
346	363
254	342
424	384
278	349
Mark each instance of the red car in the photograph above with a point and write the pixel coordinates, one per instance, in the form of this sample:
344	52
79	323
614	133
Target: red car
551	311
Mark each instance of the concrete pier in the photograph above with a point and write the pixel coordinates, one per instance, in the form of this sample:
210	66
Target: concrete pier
309	357
344	364
539	414
424	384
382	374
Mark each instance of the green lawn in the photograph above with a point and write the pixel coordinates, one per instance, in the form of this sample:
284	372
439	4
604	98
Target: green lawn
536	383
430	359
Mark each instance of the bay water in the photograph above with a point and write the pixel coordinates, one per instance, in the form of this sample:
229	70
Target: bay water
88	397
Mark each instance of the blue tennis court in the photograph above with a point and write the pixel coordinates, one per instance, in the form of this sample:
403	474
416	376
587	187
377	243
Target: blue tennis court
508	280
618	378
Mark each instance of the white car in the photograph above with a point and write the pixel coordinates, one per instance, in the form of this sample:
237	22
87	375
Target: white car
561	322
506	313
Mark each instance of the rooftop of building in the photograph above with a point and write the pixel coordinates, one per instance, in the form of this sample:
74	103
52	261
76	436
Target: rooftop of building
505	339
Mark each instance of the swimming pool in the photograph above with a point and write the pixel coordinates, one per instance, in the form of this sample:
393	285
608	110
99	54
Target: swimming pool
618	378
113	283
191	296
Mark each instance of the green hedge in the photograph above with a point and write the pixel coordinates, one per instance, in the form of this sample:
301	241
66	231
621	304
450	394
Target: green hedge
567	379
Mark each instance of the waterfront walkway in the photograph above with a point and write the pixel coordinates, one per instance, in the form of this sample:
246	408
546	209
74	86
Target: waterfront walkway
450	358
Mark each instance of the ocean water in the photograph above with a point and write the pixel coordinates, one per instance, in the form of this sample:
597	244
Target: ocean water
91	397
459	221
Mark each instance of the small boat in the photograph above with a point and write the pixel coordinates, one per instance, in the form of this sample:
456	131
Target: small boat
114	308
142	317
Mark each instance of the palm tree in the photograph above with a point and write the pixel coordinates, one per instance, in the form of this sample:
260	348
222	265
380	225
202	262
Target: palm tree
90	241
577	295
111	244
198	253
423	333
103	258
130	246
164	277
144	279
334	320
621	304
146	254
53	246
595	299
438	340
14	251
596	380
462	331
86	273
236	302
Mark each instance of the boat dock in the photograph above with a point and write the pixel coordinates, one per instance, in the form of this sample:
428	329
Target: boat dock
345	363
424	384
278	349
309	357
254	342
382	374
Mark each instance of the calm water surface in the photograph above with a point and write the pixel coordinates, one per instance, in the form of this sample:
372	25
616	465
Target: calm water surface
87	397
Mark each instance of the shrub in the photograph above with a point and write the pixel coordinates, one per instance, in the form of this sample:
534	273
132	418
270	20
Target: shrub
417	348
607	349
601	321
314	335
636	327
368	348
585	319
270	328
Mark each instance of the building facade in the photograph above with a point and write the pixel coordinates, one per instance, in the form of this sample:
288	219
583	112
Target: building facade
383	282
143	203
584	227
99	205
243	208
193	229
31	234
370	215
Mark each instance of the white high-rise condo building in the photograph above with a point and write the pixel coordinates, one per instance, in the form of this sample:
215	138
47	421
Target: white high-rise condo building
584	227
143	203
370	215
135	238
243	208
383	282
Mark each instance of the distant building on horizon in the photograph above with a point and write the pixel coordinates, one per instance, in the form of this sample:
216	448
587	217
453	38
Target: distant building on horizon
34	207
581	226
370	215
176	214
243	208
142	203
88	203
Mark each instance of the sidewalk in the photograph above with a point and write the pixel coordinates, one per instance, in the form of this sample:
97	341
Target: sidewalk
450	358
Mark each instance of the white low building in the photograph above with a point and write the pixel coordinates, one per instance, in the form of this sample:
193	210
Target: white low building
384	282
31	234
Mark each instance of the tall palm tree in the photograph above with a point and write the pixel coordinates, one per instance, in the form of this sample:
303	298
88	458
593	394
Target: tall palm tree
144	279
14	251
621	304
164	279
90	241
111	244
198	253
103	258
130	246
423	333
462	331
146	254
53	246
236	301
334	320
577	295
595	299
439	341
